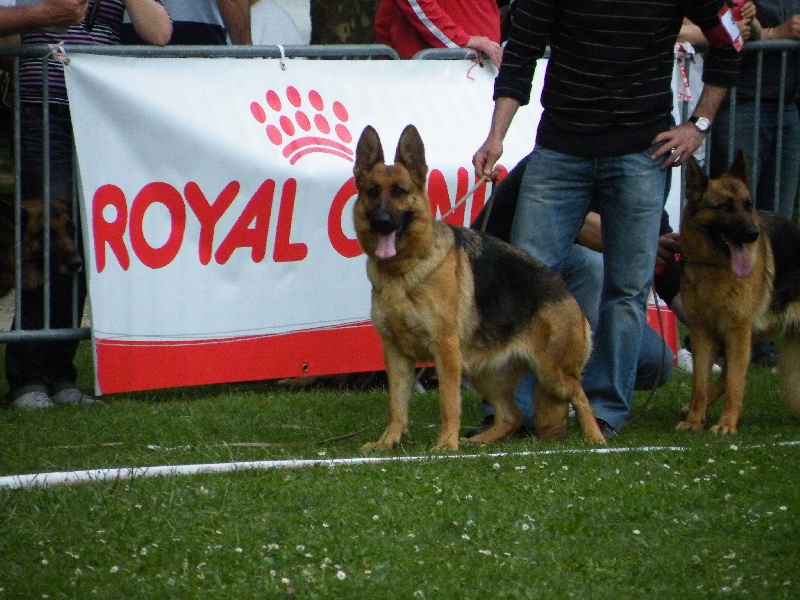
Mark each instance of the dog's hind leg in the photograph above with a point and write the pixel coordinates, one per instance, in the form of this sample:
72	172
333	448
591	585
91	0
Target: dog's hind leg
551	415
553	397
498	389
789	371
400	371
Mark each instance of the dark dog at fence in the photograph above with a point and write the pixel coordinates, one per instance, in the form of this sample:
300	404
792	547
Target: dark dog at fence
740	281
65	258
466	301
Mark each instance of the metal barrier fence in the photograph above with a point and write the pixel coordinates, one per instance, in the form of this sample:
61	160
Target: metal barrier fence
76	331
363	52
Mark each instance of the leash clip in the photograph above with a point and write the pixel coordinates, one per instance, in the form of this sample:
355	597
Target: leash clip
57	51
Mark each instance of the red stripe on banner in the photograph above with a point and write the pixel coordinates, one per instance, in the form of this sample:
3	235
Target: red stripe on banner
126	366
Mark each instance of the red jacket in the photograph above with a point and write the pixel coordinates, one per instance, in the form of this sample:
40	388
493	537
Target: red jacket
409	26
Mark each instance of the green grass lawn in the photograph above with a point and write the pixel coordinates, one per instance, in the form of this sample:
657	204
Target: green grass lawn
662	515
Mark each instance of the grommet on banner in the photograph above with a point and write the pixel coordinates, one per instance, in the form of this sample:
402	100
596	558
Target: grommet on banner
283	57
58	52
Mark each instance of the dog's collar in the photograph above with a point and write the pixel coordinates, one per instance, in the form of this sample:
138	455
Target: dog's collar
709	264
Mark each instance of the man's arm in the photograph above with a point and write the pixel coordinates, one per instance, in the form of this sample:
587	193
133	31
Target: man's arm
48	13
236	16
679	143
485	158
150	20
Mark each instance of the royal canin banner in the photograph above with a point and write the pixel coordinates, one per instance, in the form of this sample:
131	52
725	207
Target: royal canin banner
217	199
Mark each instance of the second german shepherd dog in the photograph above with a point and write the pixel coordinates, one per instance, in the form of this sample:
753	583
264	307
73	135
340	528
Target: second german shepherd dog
65	258
465	300
740	280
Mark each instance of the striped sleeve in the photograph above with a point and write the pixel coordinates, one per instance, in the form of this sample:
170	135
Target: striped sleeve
531	24
721	65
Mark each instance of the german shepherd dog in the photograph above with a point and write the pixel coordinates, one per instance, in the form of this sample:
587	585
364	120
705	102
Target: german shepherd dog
740	280
65	259
465	300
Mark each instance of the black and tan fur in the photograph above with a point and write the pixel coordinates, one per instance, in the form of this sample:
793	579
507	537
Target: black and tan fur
467	301
65	258
740	281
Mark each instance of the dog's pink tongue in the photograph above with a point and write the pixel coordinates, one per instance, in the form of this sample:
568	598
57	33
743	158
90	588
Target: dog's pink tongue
386	247
741	264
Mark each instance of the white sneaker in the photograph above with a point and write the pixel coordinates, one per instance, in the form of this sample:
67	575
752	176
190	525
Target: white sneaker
74	396
33	400
686	363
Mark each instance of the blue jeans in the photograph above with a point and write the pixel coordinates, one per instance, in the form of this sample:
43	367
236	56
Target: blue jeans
584	276
628	192
765	164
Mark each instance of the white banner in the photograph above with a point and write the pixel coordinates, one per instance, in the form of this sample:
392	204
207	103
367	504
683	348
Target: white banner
217	200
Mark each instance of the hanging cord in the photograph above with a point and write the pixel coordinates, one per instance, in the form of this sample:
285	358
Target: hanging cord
283	57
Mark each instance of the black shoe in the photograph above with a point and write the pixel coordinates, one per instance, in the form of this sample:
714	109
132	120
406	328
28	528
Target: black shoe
488	422
606	429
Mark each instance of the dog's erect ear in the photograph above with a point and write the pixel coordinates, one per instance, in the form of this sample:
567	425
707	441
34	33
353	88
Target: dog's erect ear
739	166
696	181
369	153
411	154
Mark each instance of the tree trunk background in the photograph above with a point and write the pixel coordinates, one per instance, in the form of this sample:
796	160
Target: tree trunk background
343	21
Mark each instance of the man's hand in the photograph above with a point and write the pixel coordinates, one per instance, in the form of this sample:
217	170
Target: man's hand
788	30
488	47
677	144
61	13
668	247
486	157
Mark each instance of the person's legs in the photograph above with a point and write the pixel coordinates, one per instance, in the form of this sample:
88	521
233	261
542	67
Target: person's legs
631	191
763	158
778	189
44	365
554	197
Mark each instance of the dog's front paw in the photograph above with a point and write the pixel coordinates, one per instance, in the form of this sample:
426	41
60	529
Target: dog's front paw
689	426
378	445
390	439
723	429
446	441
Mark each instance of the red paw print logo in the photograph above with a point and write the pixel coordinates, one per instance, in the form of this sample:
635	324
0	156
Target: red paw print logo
304	125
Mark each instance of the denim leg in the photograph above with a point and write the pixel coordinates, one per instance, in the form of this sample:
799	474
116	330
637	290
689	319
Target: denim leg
554	197
763	160
630	192
654	367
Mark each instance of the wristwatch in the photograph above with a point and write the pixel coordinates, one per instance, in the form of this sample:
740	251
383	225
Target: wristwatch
703	125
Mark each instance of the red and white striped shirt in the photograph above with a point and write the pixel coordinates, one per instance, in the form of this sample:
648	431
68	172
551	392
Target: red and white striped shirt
409	26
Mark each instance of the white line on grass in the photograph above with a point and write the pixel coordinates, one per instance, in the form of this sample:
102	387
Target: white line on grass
66	477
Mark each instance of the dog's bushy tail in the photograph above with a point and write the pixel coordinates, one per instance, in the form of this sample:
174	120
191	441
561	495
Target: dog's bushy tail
788	369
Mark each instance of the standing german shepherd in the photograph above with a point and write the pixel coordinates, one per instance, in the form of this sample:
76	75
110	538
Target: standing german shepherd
740	280
468	302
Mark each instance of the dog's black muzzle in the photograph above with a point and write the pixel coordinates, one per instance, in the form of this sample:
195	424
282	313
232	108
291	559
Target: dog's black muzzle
72	266
383	222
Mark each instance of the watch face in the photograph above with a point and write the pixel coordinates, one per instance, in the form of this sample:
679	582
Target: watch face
702	124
